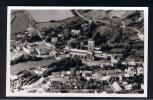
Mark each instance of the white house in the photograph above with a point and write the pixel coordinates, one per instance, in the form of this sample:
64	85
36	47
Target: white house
130	71
76	32
140	70
43	49
116	87
86	73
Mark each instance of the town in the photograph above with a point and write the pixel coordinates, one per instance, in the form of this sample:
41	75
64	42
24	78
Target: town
84	60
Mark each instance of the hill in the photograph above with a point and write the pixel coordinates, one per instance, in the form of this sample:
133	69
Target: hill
19	22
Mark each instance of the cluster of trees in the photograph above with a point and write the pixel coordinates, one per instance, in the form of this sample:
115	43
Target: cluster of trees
99	39
30	37
63	64
24	58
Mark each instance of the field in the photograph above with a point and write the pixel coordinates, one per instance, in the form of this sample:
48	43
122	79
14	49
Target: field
47	15
19	23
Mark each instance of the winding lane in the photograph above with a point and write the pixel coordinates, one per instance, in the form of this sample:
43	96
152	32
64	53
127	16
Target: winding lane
89	20
140	35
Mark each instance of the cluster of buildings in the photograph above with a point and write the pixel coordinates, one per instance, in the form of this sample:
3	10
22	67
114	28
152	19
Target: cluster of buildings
91	54
39	48
110	81
87	81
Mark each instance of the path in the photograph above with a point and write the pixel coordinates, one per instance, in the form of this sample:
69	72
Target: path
89	20
140	35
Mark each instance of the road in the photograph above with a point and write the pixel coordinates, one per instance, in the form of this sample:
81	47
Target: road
89	20
82	16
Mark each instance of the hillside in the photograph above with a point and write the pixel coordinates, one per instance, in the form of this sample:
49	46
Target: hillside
19	22
54	23
130	18
50	15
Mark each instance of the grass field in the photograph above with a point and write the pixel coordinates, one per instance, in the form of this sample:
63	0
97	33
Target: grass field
19	23
47	15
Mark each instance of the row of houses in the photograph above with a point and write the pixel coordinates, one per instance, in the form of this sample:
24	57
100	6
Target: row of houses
101	75
118	85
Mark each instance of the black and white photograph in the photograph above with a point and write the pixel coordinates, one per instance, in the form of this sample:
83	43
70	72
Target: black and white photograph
77	51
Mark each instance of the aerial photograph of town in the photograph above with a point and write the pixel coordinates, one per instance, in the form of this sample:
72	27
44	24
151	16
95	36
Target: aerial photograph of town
77	51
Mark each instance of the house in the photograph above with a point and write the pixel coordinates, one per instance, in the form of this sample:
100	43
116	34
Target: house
106	65
103	73
116	87
128	87
66	74
120	78
40	70
104	56
30	29
130	61
19	47
107	88
62	74
142	86
43	49
105	78
75	32
114	78
110	72
140	71
27	48
85	27
67	49
56	74
87	73
54	40
96	75
130	71
97	48
78	73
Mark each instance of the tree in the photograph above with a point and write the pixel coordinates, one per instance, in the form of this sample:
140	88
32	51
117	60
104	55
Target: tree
74	43
48	39
92	26
99	39
67	34
105	31
53	33
119	36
